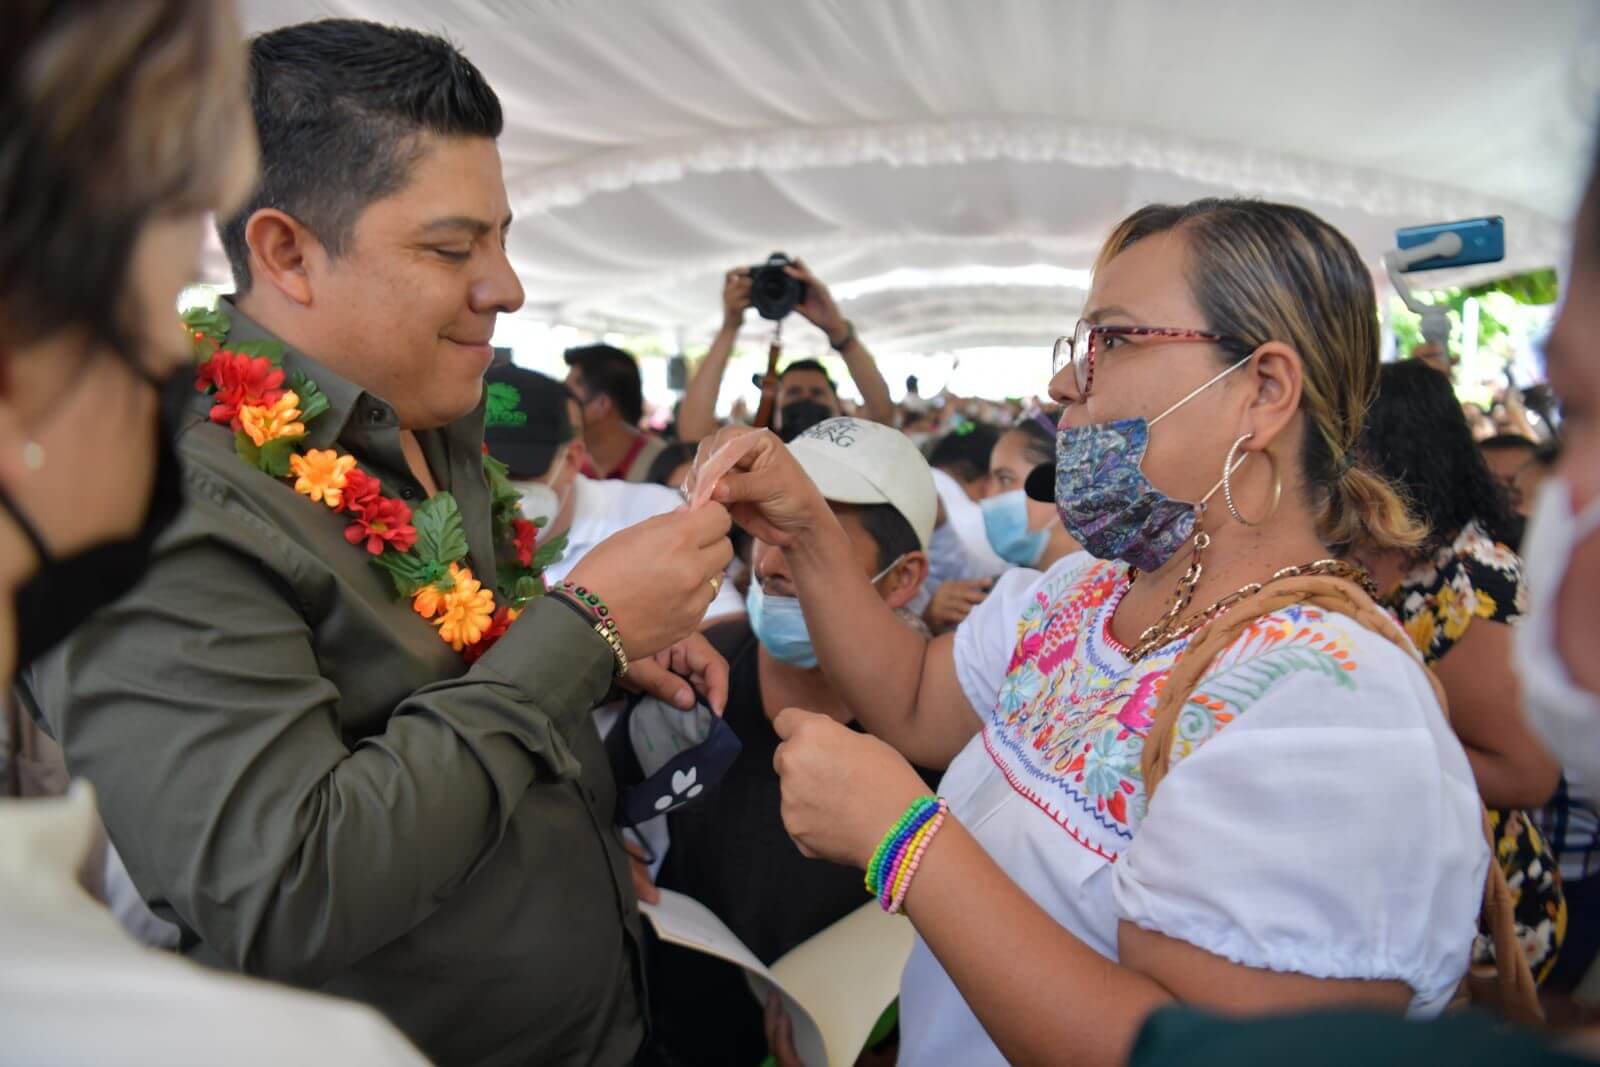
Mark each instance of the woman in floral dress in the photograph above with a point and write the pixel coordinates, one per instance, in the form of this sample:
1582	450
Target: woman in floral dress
1457	596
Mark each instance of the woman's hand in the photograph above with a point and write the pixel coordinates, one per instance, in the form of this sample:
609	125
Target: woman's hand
842	790
766	490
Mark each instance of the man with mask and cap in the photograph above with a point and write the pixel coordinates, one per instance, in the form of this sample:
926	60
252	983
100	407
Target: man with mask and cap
534	425
806	393
729	851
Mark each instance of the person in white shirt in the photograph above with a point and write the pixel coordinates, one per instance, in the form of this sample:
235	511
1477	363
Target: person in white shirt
534	425
1318	839
152	95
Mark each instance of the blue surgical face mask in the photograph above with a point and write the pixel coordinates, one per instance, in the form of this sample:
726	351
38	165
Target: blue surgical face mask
1005	521
780	625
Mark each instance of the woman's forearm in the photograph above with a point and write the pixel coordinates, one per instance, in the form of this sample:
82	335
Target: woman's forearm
873	659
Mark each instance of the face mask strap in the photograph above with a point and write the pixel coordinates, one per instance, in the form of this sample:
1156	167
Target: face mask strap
1197	391
876	578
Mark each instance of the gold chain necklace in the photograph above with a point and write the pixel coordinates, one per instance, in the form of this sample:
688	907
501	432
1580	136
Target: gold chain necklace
1167	629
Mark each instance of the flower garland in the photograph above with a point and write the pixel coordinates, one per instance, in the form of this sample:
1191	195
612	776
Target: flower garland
422	550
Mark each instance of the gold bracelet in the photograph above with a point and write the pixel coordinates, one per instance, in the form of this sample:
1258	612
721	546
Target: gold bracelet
608	632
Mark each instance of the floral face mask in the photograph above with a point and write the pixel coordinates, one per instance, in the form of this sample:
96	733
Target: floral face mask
1105	500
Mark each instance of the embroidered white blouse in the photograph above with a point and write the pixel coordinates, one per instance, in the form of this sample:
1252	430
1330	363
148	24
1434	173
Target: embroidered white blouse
1319	817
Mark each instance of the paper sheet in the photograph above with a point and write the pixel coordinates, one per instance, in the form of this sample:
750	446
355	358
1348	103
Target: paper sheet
834	986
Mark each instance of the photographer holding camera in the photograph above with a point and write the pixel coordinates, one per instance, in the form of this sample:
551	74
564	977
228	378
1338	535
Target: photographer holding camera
806	394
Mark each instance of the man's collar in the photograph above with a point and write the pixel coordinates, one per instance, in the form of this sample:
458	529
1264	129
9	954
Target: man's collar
345	398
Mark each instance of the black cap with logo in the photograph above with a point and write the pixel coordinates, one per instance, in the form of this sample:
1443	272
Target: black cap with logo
525	419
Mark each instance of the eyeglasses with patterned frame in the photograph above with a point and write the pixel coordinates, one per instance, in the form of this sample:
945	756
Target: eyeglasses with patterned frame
1080	349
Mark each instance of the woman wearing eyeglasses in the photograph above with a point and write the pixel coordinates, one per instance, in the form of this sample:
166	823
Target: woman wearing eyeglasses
1316	838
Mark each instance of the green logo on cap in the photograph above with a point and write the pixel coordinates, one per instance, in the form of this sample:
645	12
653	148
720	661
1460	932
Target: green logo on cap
504	406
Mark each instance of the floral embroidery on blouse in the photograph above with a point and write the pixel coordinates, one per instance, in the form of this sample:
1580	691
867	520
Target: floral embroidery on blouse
1474	577
1069	724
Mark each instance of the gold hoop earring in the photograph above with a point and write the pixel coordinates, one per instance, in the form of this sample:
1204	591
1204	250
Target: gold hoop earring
1228	467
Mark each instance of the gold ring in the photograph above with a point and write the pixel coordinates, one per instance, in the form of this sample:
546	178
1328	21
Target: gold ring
716	586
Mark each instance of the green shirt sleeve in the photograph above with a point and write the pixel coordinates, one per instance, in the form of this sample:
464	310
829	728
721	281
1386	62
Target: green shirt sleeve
199	709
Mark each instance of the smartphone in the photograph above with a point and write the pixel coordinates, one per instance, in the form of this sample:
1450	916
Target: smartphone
1482	241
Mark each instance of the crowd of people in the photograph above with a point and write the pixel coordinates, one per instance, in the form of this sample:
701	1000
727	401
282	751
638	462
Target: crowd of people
329	634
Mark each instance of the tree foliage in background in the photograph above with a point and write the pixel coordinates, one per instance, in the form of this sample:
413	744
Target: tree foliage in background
1500	310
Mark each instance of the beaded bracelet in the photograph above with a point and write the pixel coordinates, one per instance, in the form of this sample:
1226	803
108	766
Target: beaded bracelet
921	810
604	624
909	871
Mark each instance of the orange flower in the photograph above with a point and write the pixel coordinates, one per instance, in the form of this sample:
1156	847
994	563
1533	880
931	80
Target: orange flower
429	600
321	475
467	610
265	424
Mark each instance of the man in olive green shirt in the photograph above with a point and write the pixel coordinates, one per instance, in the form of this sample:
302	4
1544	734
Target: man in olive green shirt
297	771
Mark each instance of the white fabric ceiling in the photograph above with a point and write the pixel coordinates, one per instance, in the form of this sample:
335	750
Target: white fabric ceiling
650	145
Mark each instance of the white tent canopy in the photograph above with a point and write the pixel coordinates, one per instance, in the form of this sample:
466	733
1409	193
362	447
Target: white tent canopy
951	166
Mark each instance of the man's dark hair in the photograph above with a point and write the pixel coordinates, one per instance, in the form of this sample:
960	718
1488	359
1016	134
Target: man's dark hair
340	107
810	364
613	372
1417	438
889	529
675	455
964	452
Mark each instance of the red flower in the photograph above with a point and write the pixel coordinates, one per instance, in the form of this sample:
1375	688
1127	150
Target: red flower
497	628
239	381
360	490
382	521
525	535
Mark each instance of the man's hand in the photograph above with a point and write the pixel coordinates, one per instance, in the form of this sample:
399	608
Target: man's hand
818	306
659	576
735	297
678	673
643	887
954	601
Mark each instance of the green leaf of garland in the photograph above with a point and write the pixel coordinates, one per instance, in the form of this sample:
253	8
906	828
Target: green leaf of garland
312	400
550	554
213	322
409	574
272	457
525	590
247	449
440	536
275	456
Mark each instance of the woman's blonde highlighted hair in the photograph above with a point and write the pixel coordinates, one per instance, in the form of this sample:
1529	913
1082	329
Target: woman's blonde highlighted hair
112	113
1263	272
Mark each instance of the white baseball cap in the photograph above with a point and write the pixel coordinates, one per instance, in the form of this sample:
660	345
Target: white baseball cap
853	461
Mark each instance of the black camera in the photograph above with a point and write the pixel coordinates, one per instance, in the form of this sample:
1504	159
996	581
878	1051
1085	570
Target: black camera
772	291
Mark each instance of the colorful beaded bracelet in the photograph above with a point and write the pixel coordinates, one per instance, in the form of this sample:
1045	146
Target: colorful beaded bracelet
902	881
604	624
921	810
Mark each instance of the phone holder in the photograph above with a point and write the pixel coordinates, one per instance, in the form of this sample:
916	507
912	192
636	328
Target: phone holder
1435	321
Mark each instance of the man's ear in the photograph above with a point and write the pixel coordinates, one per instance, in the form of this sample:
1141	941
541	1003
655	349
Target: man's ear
902	584
282	253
